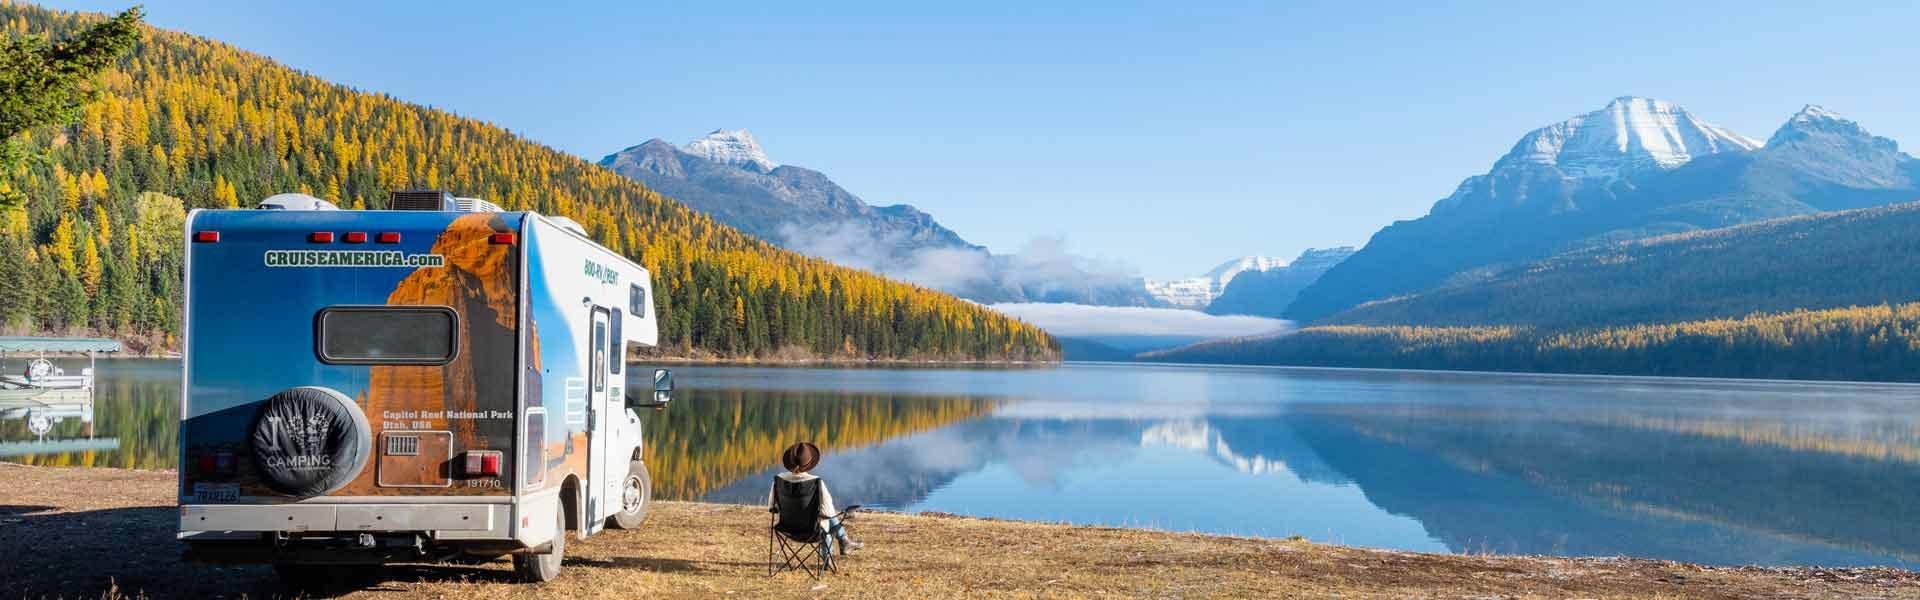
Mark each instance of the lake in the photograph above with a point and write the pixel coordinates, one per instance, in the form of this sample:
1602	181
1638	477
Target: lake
1711	471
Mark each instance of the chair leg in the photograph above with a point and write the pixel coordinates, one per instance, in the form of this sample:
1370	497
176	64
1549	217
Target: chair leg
795	555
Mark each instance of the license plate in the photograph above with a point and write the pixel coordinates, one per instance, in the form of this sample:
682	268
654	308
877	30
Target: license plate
216	492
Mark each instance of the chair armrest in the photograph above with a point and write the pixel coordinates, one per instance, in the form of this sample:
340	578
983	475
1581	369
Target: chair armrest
843	513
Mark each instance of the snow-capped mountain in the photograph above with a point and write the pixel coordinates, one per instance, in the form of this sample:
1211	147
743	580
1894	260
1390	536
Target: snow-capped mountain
1629	135
1267	292
731	147
1198	292
1578	160
726	175
1829	150
1636	168
729	177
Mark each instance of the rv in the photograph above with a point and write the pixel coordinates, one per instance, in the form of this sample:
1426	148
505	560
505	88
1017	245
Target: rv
443	381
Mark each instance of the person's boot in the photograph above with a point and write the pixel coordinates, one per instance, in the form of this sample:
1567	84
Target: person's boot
847	545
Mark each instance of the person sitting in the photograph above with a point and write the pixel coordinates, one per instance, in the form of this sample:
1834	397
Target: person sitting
798	460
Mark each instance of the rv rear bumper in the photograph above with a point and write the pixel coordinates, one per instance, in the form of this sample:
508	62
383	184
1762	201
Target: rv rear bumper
341	548
345	532
442	521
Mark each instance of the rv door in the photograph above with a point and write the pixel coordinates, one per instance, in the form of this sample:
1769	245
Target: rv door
597	426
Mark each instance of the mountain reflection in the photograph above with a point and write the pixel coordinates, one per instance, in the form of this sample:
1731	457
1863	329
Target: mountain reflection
1592	484
1564	481
1723	472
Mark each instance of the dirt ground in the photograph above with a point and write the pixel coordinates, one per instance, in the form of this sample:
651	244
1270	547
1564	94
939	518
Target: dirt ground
105	533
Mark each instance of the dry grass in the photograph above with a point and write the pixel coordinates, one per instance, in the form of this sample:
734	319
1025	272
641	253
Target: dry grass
89	533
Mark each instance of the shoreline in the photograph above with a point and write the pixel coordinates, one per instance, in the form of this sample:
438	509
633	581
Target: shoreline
99	532
646	360
839	362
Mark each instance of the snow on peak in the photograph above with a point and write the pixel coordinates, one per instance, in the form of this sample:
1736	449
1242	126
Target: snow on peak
1842	146
1631	134
1225	272
1815	119
1812	112
733	147
1197	292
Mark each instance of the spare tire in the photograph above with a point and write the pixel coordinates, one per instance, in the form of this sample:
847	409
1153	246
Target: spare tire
310	441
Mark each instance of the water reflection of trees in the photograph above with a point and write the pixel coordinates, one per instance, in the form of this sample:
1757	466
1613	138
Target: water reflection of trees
1680	486
712	437
135	401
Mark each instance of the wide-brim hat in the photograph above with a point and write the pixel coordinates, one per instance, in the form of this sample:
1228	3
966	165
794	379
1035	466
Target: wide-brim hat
801	457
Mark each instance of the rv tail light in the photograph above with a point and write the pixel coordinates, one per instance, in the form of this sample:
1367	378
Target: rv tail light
321	237
503	238
206	237
390	237
217	464
356	237
483	463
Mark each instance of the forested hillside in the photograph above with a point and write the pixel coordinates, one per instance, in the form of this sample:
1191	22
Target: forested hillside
1849	258
188	122
1825	296
1870	343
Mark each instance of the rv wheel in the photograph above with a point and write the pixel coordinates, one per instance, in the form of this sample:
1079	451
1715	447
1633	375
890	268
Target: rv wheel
635	495
542	568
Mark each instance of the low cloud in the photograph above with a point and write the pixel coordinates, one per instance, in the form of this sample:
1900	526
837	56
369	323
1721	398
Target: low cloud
1079	320
1043	270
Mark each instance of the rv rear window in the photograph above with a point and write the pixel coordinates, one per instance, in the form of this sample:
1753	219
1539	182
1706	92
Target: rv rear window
376	335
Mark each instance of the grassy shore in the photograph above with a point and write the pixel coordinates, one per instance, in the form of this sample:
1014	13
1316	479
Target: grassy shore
93	533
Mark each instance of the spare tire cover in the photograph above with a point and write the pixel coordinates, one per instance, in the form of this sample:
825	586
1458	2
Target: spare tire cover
310	441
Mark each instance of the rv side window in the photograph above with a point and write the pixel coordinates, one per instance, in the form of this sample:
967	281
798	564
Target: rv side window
616	345
599	357
373	335
637	301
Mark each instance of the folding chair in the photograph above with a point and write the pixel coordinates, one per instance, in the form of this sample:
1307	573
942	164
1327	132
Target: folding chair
793	527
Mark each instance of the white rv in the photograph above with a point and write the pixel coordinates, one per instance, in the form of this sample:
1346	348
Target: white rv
441	381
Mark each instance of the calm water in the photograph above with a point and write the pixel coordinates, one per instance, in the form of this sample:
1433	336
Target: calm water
1696	470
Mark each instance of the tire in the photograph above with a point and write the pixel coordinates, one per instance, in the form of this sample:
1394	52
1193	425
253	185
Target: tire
309	441
542	568
636	494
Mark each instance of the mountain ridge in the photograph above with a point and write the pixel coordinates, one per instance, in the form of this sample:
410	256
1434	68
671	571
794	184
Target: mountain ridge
1268	292
728	176
1816	162
1199	292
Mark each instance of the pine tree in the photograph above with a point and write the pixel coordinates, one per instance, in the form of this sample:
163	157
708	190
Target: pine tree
43	83
185	122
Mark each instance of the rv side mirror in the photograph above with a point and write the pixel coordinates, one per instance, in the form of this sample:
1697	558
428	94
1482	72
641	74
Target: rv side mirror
662	391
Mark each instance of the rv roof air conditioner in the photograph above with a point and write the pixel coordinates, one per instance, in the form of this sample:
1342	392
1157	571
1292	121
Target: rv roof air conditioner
475	205
435	200
439	200
291	201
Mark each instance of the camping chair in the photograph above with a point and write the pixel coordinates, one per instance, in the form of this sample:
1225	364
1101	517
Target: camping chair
793	523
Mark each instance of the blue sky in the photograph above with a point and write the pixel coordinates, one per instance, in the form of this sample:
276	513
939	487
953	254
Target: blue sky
1166	135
